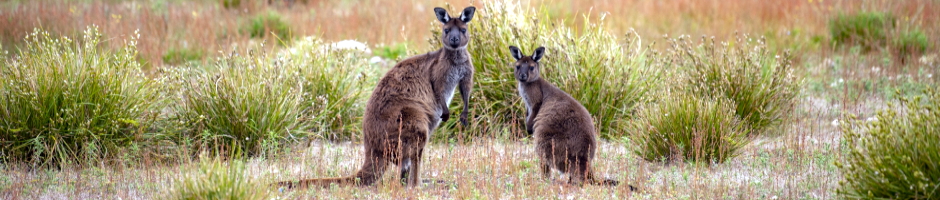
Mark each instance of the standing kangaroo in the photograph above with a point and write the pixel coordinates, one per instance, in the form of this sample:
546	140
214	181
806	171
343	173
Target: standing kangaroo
563	128
408	104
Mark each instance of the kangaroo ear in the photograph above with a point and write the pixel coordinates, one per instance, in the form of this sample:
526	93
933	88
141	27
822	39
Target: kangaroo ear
515	52
467	14
539	52
442	15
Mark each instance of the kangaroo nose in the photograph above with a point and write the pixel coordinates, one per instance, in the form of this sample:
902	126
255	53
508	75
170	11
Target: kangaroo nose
454	40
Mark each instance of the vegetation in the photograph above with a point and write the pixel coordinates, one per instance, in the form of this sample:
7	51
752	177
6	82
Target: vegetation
335	86
182	55
217	180
689	127
867	29
80	120
760	85
240	105
252	103
911	42
392	52
893	156
267	25
65	101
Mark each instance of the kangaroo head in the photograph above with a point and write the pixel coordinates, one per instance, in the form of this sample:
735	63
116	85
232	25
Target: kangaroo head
527	67
454	30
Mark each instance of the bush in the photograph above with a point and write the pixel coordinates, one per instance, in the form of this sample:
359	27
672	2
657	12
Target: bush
392	52
216	180
65	101
607	75
241	104
229	4
335	84
867	29
911	42
688	127
261	25
176	56
894	156
760	85
252	103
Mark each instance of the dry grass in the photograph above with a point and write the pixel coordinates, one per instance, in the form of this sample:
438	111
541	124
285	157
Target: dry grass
165	25
795	166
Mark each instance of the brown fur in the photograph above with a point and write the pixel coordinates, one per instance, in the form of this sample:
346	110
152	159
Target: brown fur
563	129
408	104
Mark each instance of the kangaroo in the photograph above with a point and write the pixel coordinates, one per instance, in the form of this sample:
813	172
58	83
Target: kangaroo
408	103
563	129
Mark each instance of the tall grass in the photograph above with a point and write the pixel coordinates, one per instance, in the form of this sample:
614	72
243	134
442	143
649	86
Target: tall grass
269	23
867	29
240	104
607	74
256	101
68	101
761	85
895	155
688	127
335	84
214	179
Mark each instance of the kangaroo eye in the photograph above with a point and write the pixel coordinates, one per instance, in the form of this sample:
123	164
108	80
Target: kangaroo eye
446	30
463	30
531	68
517	67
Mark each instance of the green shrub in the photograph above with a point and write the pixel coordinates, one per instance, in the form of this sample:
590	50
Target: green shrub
240	104
609	76
760	85
335	84
65	101
215	180
176	56
867	29
392	52
262	25
231	3
895	155
255	102
911	42
688	127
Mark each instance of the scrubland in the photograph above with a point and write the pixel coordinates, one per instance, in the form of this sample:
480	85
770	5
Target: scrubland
733	99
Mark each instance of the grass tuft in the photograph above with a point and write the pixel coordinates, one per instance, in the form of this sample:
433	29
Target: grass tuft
239	104
247	104
392	52
176	56
688	127
911	42
894	155
867	29
218	180
760	85
335	86
268	23
67	101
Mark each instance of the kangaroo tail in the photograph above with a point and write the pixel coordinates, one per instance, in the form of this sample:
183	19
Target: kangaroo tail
322	182
371	171
593	179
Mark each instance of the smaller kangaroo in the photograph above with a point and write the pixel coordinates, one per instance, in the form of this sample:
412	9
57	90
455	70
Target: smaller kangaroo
563	128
